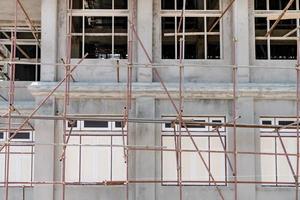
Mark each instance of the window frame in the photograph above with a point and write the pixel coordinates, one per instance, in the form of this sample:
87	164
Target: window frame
265	14
208	134
113	13
192	13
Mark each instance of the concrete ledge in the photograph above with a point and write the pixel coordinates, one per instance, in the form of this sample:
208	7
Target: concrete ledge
191	90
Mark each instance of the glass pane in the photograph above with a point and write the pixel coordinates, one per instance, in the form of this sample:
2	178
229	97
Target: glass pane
281	4
283	27
98	4
168	41
77	24
261	49
260	26
167	4
191	5
98	24
194	24
27	73
210	22
212	4
283	49
121	4
98	46
213	47
76	50
120	24
120	47
25	135
194	47
77	4
260	4
96	124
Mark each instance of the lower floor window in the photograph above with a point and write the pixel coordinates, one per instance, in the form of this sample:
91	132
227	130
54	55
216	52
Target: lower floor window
193	169
21	157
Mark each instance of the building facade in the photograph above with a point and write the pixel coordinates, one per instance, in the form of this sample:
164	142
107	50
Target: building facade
266	94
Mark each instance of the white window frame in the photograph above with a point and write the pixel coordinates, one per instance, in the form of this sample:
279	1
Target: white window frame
114	128
205	133
101	13
22	140
193	13
265	14
108	128
266	119
222	119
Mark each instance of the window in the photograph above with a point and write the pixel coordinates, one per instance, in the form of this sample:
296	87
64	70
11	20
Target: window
193	169
102	36
275	168
200	41
281	44
96	153
21	158
27	50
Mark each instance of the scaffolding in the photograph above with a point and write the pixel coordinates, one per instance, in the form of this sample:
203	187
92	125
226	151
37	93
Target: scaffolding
65	117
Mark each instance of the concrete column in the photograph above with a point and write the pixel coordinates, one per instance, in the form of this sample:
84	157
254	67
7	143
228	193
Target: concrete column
241	34
144	30
145	160
44	154
246	142
49	39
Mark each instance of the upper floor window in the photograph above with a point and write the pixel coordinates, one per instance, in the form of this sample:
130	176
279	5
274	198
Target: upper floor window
27	50
95	152
281	44
100	4
202	41
274	164
193	169
101	35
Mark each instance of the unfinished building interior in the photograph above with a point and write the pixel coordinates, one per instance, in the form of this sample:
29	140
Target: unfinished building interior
149	99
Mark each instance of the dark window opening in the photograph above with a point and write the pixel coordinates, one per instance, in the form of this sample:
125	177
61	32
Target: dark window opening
72	123
212	4
119	124
261	26
98	4
260	4
261	49
283	27
281	4
25	135
168	41
120	47
77	24
266	122
120	4
210	23
1	135
98	47
285	123
216	121
194	47
283	49
191	5
77	4
194	24
27	72
95	124
168	125
98	24
168	4
213	47
26	51
76	50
